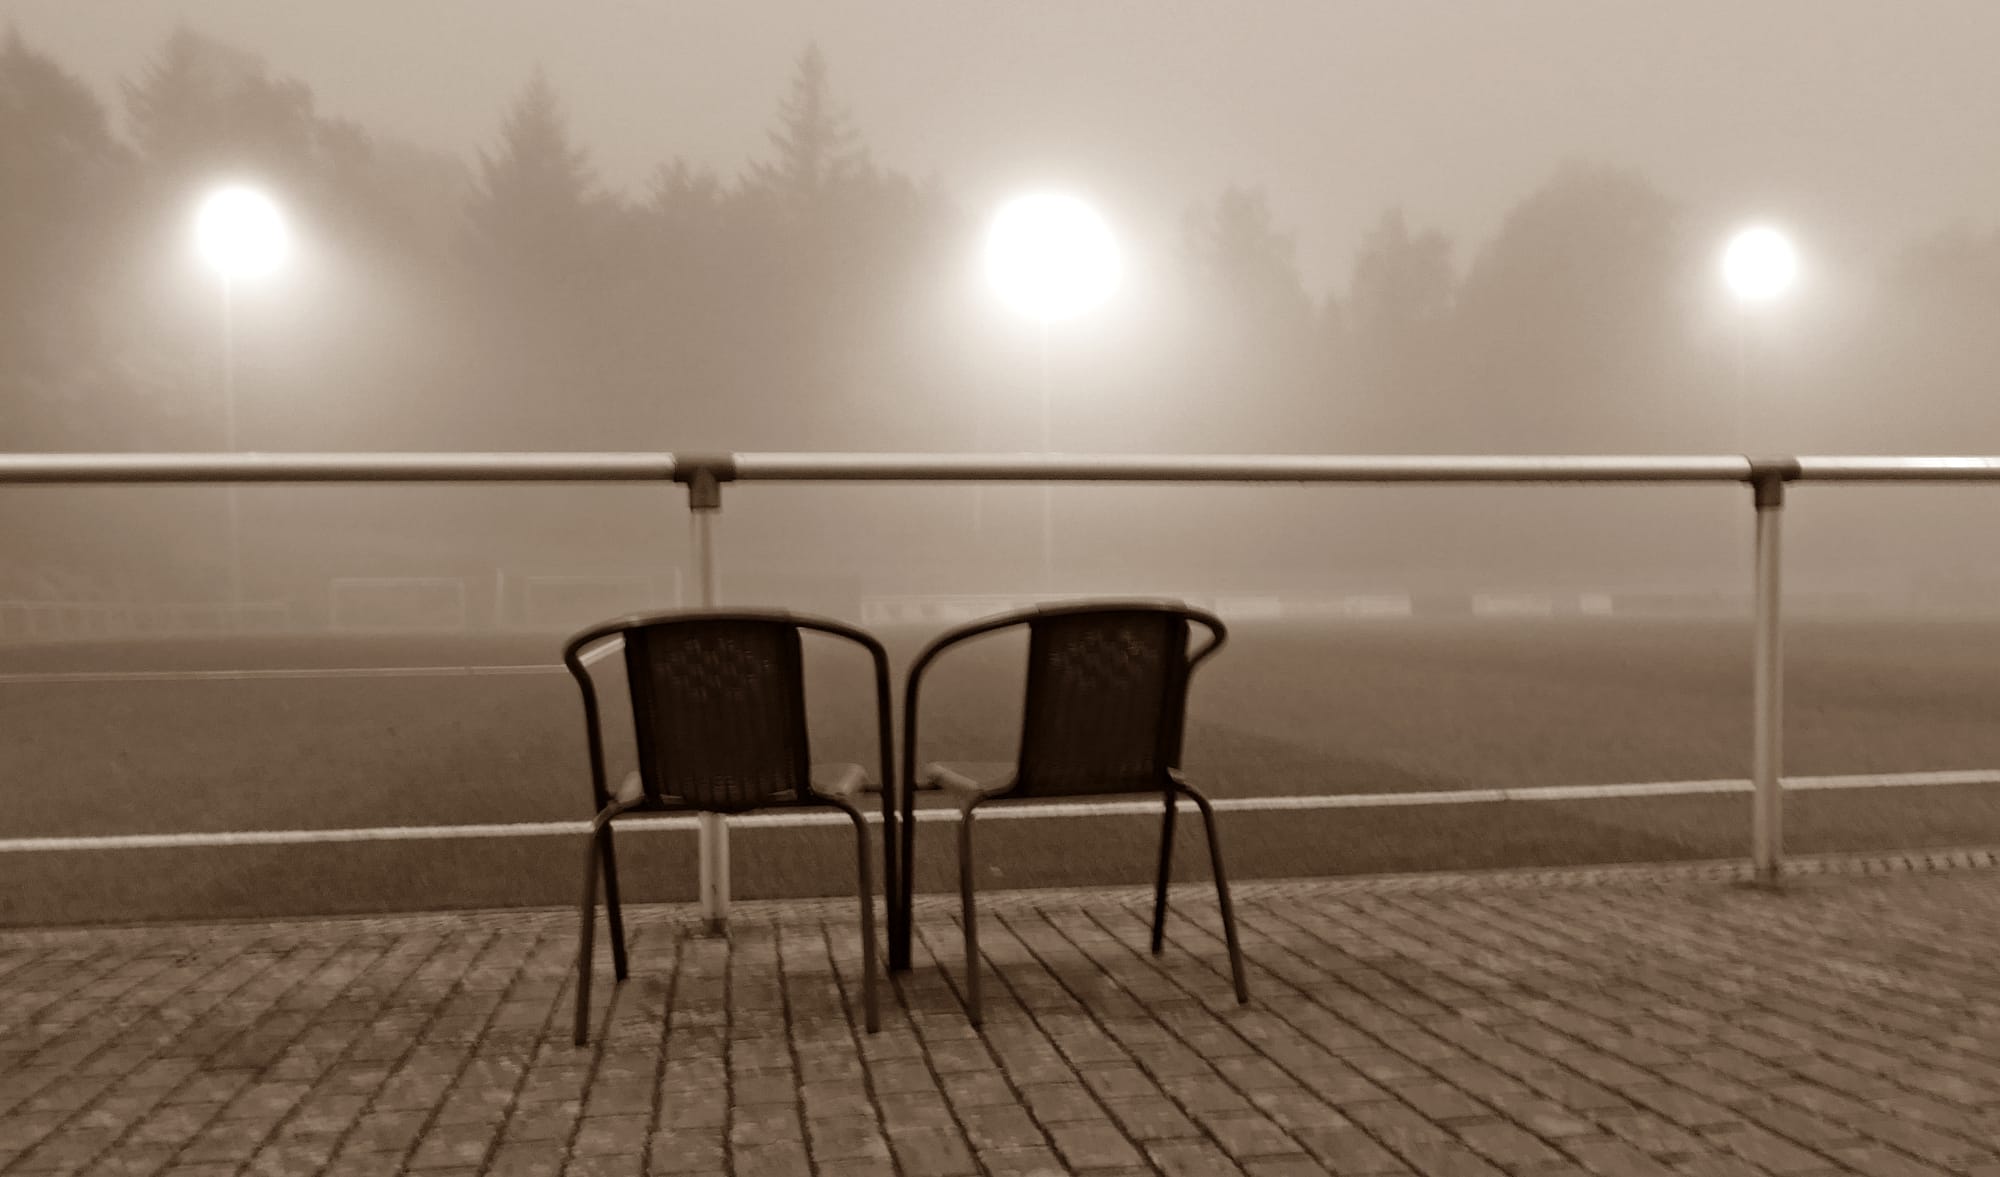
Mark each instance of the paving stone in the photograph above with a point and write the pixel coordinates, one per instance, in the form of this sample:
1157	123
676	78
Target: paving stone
766	1123
1298	1166
1093	1144
978	1088
858	1168
544	1159
1189	1158
1505	1144
1768	1151
1152	1119
1243	1136
1022	1162
783	1159
932	1152
448	1145
1615	1158
1057	1102
611	1135
846	1139
1878	1161
1614	1023
687	1151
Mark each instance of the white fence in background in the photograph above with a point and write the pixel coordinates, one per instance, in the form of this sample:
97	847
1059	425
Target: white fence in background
705	474
70	620
550	603
560	604
397	604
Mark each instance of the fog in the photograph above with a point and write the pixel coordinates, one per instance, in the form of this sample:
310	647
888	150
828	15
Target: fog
1408	228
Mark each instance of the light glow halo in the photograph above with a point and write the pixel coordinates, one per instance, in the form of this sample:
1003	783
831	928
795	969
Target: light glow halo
1760	264
240	233
1050	256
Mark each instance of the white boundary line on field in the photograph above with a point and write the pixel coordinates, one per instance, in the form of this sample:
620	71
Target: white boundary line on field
99	676
998	813
108	676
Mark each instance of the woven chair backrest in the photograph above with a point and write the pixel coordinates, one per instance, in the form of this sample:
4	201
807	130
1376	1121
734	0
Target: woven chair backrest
718	707
1107	693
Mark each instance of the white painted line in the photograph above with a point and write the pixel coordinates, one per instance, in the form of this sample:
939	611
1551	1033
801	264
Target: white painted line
1893	780
104	676
996	813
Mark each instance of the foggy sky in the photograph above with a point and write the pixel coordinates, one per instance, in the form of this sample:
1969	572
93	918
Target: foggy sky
1861	123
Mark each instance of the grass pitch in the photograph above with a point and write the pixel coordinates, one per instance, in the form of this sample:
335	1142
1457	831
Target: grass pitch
1285	709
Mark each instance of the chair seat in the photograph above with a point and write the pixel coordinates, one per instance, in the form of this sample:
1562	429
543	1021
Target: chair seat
830	780
968	778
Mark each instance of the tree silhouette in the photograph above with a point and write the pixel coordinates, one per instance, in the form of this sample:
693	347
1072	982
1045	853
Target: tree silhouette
532	212
539	294
1396	330
818	153
63	207
1574	318
1933	343
1242	260
202	108
1249	322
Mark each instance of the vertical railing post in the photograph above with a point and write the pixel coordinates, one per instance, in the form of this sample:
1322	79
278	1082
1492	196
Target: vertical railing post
704	477
1767	806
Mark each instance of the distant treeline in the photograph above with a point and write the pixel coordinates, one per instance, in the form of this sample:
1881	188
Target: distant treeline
815	300
818	300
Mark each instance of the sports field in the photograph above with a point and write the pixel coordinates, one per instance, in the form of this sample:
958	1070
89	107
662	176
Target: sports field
121	738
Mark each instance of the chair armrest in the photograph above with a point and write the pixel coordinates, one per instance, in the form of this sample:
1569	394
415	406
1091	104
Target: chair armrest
884	729
593	731
914	682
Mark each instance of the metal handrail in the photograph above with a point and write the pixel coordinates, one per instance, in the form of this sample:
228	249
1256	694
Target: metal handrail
704	474
89	469
101	469
1906	469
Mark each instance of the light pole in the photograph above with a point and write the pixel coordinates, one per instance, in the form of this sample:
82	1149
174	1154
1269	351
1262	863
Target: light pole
1050	257
241	236
1759	265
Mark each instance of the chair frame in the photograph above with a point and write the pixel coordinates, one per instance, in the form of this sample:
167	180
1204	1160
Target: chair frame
1172	785
601	853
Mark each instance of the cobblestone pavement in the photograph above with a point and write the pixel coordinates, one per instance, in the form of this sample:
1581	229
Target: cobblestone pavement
1615	1022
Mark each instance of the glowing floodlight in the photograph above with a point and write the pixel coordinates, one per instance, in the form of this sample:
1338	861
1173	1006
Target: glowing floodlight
1760	264
240	233
1051	256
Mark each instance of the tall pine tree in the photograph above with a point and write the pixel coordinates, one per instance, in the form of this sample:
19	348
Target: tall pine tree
63	184
818	154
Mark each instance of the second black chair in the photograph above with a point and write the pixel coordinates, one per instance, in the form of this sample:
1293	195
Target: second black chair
1106	705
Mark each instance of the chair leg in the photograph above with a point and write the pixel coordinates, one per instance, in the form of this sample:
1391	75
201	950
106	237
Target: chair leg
969	915
864	871
892	887
588	911
611	908
1166	868
1222	896
899	946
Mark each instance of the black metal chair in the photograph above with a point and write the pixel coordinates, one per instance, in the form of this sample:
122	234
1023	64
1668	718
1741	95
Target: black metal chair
719	716
1106	704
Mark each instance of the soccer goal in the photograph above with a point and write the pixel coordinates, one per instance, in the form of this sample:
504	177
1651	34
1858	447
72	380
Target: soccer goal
397	604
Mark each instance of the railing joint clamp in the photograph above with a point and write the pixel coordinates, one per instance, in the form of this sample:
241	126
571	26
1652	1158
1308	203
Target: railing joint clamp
1768	477
704	475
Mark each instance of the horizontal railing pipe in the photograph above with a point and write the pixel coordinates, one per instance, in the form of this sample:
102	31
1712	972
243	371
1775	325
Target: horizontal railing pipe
306	467
1882	469
790	467
95	468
